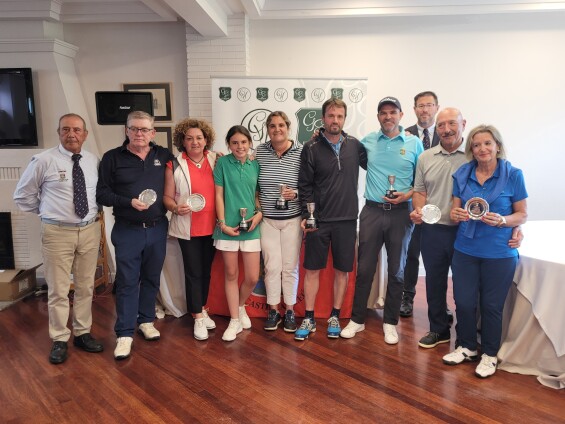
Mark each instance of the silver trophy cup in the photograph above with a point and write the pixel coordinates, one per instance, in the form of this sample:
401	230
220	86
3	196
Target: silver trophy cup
391	190
282	203
311	221
243	225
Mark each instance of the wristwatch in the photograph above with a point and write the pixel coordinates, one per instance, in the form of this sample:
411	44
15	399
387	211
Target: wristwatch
502	222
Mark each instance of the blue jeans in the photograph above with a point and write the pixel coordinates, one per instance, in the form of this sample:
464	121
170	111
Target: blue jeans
140	253
486	281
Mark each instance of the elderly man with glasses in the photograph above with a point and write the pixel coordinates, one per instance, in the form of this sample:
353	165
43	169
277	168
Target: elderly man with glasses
131	180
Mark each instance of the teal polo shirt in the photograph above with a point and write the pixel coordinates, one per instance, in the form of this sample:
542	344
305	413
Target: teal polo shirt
240	182
396	156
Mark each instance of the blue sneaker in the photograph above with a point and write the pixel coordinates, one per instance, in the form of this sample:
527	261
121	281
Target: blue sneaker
333	327
308	326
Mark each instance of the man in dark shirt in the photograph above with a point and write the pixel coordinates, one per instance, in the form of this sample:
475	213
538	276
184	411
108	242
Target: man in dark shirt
328	177
131	180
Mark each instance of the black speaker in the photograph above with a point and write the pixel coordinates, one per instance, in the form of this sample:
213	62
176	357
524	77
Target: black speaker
113	107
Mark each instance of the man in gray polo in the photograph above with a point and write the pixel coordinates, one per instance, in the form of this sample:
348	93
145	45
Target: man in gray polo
433	185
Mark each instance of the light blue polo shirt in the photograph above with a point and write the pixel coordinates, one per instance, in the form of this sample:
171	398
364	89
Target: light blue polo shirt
386	156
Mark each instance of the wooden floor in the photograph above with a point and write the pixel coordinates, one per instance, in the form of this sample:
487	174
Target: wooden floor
262	377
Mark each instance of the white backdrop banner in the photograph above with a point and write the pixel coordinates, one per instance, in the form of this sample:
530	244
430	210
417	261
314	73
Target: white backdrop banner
248	101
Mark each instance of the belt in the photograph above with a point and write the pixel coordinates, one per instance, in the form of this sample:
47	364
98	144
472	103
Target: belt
70	224
144	224
387	206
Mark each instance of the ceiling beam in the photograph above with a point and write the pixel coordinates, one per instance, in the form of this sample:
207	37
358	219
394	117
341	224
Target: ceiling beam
206	17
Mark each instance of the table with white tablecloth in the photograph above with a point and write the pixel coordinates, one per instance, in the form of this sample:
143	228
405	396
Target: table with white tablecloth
533	337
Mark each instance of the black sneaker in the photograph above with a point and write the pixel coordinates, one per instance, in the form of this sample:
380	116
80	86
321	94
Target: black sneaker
433	339
289	322
406	307
273	320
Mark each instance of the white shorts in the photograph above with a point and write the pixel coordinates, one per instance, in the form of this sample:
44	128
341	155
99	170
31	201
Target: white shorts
235	245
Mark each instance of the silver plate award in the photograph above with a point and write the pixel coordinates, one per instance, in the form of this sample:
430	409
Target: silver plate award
431	214
148	196
196	202
476	207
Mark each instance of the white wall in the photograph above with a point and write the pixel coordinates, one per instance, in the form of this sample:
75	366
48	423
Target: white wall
506	70
112	54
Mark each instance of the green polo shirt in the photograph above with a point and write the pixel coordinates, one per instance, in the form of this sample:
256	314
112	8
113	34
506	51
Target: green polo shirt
239	181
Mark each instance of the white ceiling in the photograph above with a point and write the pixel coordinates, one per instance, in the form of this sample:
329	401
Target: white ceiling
209	17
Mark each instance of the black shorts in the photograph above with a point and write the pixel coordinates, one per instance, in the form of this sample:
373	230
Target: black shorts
341	235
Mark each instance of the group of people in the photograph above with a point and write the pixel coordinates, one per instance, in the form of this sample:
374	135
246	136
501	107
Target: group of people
264	204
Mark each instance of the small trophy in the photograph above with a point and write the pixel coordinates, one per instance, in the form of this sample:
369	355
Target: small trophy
243	225
391	190
476	207
311	223
282	203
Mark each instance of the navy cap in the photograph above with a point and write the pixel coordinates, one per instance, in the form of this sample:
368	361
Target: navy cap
389	100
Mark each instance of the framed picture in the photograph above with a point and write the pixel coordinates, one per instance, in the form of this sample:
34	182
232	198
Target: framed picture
161	98
164	137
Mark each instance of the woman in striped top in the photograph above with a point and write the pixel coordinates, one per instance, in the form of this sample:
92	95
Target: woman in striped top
281	235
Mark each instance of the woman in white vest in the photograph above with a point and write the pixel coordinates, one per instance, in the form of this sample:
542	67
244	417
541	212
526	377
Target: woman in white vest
189	195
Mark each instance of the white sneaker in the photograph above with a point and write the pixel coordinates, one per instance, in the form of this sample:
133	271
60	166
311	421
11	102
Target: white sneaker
234	328
200	330
244	319
148	330
391	336
487	366
351	329
460	355
208	322
123	347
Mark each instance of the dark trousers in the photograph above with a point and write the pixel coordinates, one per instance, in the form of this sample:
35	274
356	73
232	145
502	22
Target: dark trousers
437	252
412	263
197	256
486	281
378	226
140	253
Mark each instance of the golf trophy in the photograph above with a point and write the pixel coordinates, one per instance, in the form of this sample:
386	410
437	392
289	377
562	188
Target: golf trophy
148	197
391	190
243	225
282	203
311	223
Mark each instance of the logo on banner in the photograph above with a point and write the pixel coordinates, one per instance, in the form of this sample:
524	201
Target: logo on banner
243	94
225	93
255	122
337	93
318	95
262	93
299	94
309	120
355	95
281	95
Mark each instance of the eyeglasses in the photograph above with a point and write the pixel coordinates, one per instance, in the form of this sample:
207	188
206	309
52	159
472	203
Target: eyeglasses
426	106
66	130
135	130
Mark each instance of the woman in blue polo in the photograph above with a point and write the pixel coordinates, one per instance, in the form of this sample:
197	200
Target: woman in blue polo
483	264
235	179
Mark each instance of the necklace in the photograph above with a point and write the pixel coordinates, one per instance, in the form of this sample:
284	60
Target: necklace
197	163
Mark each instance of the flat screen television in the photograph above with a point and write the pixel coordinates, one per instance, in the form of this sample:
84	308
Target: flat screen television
18	127
6	241
113	107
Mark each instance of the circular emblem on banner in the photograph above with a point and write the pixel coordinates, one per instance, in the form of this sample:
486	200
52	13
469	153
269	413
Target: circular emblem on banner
281	95
318	95
243	94
355	95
